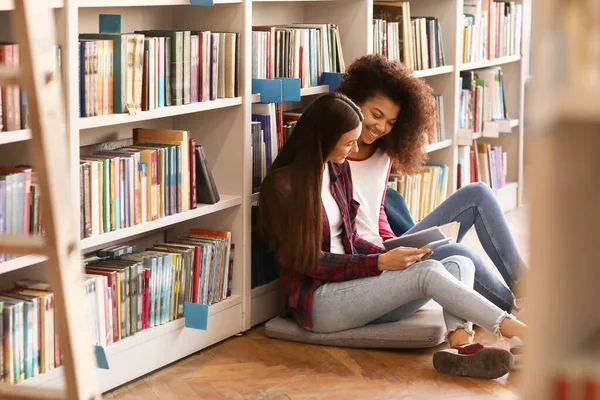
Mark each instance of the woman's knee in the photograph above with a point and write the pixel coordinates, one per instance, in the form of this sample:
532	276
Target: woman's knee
477	190
463	263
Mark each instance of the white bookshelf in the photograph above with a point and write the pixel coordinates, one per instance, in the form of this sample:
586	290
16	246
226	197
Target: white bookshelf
223	128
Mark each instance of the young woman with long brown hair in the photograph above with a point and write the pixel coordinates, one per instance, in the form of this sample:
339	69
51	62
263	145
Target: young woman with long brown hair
334	280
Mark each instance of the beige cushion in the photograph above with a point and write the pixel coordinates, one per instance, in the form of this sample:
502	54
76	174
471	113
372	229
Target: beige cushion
423	329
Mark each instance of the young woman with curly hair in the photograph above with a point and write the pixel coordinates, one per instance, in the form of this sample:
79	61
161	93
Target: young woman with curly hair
334	280
399	112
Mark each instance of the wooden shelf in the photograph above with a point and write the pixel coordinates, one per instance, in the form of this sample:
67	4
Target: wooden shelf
15	136
514	123
142	3
438	146
164	112
8	5
203	209
21	262
434	71
149	345
489	63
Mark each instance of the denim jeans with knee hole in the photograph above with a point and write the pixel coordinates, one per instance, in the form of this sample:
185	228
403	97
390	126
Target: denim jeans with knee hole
395	295
476	205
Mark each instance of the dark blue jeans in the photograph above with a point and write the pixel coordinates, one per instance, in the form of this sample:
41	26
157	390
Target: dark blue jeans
472	205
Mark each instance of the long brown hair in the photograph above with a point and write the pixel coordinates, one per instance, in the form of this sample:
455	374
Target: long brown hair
305	153
373	75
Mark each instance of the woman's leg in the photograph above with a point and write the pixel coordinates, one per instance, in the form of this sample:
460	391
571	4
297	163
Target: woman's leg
475	204
345	305
486	283
460	268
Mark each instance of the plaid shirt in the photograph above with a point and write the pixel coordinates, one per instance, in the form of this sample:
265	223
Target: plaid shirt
360	260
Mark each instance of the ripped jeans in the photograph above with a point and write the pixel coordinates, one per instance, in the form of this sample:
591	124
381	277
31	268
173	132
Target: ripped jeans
395	295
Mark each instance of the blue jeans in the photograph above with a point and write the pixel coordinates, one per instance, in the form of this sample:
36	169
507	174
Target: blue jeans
476	205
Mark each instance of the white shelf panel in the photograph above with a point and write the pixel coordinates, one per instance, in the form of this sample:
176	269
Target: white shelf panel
266	302
21	262
314	90
489	63
203	209
164	112
438	146
7	5
254	198
514	123
142	3
255	98
15	136
154	348
434	71
507	196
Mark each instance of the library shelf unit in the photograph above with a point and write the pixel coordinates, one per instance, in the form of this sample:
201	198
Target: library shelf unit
223	127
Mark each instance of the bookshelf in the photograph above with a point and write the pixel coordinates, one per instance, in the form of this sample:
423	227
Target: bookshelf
222	126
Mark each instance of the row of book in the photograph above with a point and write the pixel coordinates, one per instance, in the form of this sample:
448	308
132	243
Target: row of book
423	192
270	129
492	29
302	51
14	113
161	173
145	70
126	293
416	41
481	98
482	163
20	212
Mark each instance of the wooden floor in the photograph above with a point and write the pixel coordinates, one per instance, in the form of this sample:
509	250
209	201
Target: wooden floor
253	366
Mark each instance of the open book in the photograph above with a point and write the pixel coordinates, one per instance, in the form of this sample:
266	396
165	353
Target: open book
432	238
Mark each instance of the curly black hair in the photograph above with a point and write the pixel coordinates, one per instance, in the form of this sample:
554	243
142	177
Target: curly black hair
373	75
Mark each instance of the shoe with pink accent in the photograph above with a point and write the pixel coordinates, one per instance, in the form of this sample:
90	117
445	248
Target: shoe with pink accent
474	360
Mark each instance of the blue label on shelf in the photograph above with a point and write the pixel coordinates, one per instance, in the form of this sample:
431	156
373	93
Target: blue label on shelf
101	359
270	90
110	23
195	315
332	79
290	89
208	3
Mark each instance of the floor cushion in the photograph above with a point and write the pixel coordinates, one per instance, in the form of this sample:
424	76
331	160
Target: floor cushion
423	329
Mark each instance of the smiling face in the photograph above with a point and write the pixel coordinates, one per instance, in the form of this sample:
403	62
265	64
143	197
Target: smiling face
348	143
380	114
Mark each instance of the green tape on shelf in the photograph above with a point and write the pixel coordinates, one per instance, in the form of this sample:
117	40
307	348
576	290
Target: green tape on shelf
195	315
208	3
101	359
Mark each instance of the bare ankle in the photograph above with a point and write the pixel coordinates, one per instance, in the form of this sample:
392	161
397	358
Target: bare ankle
459	337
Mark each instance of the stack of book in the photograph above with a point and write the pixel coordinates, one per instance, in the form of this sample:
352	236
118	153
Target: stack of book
145	70
416	41
492	29
161	173
302	51
423	192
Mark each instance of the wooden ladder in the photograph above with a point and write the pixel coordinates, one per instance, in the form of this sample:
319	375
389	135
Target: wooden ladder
35	33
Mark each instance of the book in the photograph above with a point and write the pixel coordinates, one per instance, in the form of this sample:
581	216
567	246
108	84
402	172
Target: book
432	238
206	188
